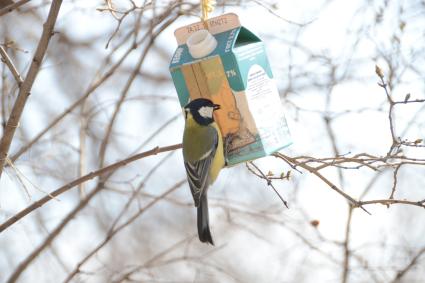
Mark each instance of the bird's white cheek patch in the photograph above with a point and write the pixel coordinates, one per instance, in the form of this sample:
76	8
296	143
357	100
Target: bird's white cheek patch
206	112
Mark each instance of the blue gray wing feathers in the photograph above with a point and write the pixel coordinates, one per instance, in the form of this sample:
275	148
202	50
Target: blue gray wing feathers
198	171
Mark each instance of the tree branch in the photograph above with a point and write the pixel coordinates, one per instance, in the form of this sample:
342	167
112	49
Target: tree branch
27	84
12	7
11	66
268	180
411	264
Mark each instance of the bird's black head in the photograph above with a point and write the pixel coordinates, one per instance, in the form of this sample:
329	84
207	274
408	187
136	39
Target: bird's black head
201	110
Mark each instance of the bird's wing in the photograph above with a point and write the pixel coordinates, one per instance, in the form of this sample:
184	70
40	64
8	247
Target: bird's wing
198	171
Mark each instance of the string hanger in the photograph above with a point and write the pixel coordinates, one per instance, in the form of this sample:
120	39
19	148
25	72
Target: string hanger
207	6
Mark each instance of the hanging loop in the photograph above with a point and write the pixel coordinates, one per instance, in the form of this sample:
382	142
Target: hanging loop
207	6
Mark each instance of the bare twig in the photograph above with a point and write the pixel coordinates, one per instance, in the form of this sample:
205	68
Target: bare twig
82	157
384	85
394	181
271	11
409	101
409	266
388	202
347	252
269	182
11	66
12	7
152	260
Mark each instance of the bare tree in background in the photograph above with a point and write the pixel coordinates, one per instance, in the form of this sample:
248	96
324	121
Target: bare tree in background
92	185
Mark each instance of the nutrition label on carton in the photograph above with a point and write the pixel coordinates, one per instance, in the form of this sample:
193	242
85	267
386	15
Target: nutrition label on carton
266	108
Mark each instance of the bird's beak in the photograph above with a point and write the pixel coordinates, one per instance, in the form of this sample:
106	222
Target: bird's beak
216	107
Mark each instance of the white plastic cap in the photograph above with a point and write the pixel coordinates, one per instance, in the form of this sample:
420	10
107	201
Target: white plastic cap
201	43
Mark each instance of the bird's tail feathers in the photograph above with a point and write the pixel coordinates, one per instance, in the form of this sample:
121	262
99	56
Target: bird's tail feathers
204	232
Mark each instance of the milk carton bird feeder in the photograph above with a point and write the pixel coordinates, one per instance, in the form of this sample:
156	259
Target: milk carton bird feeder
223	61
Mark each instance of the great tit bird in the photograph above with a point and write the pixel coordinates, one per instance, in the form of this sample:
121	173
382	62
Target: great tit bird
203	156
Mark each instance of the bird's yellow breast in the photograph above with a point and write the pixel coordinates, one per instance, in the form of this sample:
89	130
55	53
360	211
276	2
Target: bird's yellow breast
218	161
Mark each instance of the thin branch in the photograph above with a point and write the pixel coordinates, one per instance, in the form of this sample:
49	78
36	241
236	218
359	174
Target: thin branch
395	179
395	141
387	202
269	182
412	263
347	252
11	66
158	131
82	157
150	262
12	7
137	191
27	84
270	10
12	220
410	101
